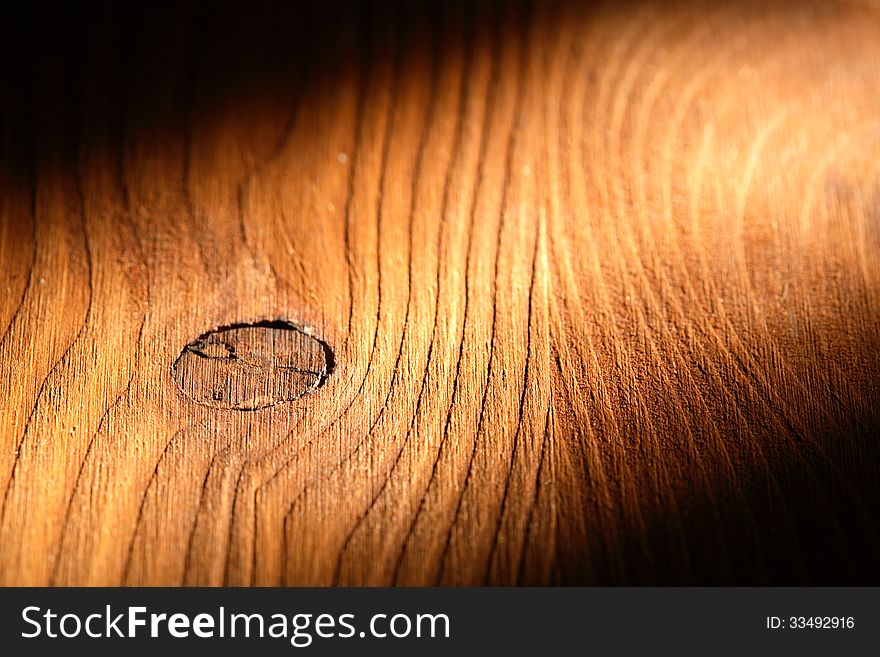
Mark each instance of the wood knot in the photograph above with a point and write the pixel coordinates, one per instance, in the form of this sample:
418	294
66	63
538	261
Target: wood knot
249	366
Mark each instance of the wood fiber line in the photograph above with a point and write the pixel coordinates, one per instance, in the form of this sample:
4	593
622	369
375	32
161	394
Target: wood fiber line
369	293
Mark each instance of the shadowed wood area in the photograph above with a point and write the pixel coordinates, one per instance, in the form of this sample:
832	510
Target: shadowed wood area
550	293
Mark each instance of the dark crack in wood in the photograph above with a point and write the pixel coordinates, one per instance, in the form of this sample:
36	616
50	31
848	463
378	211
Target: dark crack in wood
249	366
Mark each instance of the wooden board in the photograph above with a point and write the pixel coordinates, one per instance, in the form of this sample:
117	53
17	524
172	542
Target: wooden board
557	293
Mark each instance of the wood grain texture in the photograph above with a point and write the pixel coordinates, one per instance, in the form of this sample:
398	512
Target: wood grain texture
601	284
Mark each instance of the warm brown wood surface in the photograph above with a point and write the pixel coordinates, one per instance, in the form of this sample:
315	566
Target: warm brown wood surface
600	285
